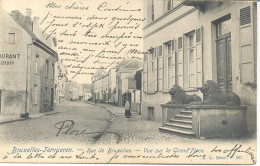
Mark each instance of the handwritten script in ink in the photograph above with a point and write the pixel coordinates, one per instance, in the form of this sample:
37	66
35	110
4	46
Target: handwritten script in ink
94	34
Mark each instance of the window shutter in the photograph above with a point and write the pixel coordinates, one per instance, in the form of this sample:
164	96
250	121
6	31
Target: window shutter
180	61
165	65
173	63
246	40
145	73
199	58
156	70
160	69
150	74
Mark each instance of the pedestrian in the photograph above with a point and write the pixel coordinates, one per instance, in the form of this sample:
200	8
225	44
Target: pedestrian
127	109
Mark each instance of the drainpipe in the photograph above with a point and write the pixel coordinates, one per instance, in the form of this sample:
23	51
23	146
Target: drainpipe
28	71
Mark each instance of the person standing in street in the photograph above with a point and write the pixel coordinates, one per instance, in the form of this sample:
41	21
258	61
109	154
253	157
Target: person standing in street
127	109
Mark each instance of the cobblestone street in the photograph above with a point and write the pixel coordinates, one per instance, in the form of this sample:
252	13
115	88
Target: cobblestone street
96	124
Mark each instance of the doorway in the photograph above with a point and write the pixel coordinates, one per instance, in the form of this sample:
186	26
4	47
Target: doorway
224	56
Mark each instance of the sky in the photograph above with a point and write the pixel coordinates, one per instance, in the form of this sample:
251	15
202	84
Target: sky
85	58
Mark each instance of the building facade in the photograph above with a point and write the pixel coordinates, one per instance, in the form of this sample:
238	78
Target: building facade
123	84
205	41
35	65
112	86
61	79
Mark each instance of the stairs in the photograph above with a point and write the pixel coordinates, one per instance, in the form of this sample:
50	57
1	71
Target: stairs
181	124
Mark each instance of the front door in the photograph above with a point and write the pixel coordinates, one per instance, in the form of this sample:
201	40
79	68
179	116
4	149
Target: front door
224	57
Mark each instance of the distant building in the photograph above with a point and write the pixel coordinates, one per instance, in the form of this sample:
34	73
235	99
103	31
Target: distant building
112	86
134	89
105	88
87	91
68	92
27	66
98	89
122	83
61	79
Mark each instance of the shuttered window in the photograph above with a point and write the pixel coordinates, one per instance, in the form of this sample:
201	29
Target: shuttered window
191	59
194	51
247	52
199	58
160	69
145	74
168	65
180	61
151	65
154	69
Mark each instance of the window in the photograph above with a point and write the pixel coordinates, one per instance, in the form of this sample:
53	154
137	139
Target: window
152	10
52	71
168	57
36	63
145	74
179	64
154	69
35	94
191	59
46	95
160	69
47	68
224	27
11	38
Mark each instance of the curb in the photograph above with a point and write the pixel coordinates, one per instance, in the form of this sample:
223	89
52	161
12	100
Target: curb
102	107
12	120
33	117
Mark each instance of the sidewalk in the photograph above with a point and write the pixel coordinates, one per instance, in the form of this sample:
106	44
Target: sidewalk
14	118
135	130
115	110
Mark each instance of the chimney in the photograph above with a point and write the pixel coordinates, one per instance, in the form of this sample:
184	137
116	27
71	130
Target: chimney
29	12
35	24
28	20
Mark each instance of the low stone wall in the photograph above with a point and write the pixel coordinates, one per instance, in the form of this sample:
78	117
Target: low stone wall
218	121
12	102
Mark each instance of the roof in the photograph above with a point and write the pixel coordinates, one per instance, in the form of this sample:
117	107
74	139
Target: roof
132	75
36	41
87	86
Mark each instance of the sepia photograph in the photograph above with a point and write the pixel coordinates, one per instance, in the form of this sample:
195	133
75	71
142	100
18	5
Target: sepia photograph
128	81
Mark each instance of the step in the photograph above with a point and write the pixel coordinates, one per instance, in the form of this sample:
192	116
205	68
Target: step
186	113
183	117
166	129
181	121
179	127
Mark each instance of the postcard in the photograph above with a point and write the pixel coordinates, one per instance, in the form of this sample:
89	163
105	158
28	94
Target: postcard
133	82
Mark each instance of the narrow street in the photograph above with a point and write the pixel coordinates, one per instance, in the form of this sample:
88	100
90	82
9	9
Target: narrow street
86	123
